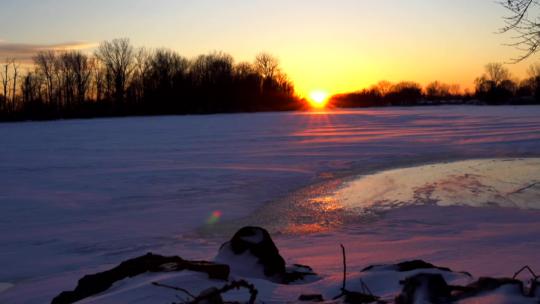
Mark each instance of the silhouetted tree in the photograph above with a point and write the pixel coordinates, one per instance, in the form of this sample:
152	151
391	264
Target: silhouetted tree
80	66
529	89
15	68
121	80
30	88
117	57
5	77
405	93
495	85
383	87
267	65
137	90
46	68
164	80
437	90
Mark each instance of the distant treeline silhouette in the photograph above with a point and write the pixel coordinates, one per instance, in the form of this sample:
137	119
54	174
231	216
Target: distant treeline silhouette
120	80
495	87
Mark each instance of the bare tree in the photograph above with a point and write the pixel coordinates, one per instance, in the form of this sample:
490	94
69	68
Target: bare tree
97	88
384	87
71	84
532	84
267	65
80	66
210	69
15	66
526	28
496	73
117	57
437	89
46	67
244	69
4	73
534	70
140	74
30	88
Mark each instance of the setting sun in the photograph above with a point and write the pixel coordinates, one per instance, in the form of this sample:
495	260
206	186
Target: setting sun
318	99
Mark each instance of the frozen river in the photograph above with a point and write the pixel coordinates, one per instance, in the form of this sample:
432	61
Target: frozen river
79	194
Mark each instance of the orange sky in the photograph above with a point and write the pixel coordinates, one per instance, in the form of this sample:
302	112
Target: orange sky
336	46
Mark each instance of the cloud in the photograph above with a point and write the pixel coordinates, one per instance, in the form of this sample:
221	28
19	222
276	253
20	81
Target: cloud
25	51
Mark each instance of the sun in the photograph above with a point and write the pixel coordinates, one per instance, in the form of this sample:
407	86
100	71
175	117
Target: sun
318	99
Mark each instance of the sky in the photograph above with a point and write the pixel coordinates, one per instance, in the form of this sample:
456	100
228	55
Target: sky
333	45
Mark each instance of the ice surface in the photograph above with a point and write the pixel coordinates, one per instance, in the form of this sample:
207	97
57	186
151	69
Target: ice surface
79	196
476	183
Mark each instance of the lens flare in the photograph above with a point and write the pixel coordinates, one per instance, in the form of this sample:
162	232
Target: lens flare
214	217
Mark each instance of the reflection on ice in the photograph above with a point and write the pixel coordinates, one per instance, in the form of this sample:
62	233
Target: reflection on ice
511	183
475	183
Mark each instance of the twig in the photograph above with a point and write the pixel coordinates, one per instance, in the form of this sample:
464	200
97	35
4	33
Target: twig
536	277
344	284
344	267
365	288
525	188
174	288
351	296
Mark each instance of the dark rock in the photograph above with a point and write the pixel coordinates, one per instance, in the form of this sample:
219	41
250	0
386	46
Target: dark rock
407	266
96	283
534	290
424	288
487	285
353	297
210	296
410	266
418	264
297	272
256	243
311	298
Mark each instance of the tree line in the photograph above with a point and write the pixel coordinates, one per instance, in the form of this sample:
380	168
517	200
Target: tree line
496	86
119	79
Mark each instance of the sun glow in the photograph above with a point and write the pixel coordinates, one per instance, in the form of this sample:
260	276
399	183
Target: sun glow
318	99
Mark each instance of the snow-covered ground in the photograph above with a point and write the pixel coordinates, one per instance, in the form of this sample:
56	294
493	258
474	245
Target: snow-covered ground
79	196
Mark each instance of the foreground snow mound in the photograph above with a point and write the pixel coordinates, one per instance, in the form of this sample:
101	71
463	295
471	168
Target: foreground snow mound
252	253
95	283
432	288
414	279
258	273
409	282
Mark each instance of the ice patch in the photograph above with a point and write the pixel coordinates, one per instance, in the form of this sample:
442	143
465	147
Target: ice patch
475	183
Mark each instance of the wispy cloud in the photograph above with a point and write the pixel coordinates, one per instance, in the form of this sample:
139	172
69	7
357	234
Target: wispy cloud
25	51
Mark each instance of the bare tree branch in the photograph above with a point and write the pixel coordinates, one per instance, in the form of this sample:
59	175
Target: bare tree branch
526	28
